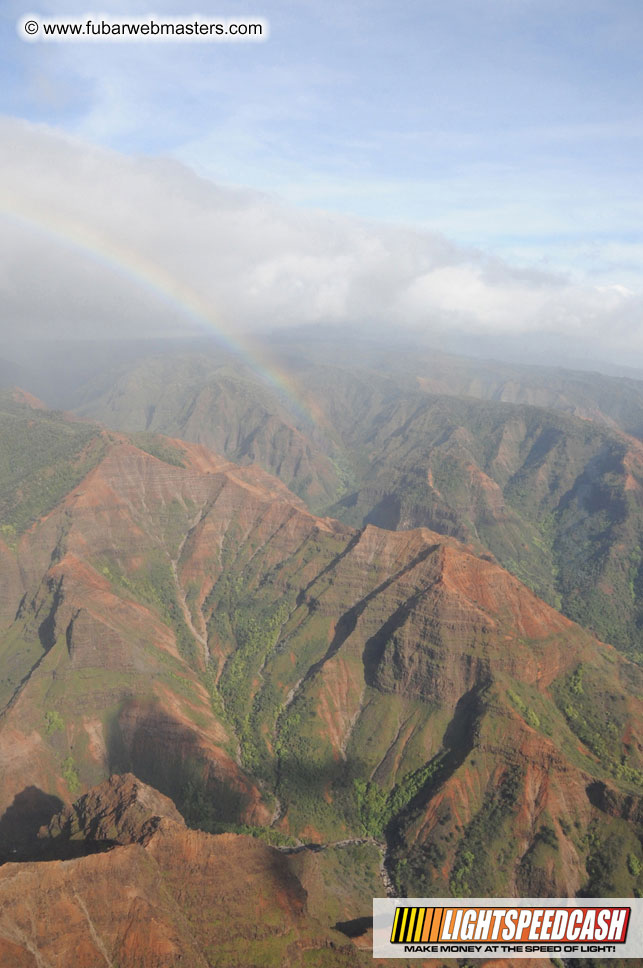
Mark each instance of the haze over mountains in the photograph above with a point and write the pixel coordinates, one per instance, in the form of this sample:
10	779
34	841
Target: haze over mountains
544	473
321	472
397	609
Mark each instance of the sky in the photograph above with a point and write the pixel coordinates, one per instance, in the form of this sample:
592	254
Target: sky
425	164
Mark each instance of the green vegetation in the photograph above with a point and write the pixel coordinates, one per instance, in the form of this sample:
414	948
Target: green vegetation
346	879
346	480
612	859
372	807
159	447
543	491
309	778
542	854
321	674
53	721
376	809
205	802
598	720
69	774
153	584
530	716
256	631
42	457
603	856
482	852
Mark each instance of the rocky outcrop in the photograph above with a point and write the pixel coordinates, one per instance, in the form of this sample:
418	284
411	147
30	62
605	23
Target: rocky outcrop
122	810
163	896
190	621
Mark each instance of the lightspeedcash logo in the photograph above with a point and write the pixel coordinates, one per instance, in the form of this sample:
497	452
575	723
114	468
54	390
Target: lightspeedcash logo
484	927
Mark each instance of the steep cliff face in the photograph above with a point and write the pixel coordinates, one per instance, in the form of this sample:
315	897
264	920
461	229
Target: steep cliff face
189	620
227	408
103	665
119	811
434	708
142	891
11	589
161	896
557	500
532	464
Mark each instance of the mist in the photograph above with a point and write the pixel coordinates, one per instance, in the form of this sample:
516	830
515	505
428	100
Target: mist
96	244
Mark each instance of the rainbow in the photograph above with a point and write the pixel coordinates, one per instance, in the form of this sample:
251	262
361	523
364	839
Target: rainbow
132	265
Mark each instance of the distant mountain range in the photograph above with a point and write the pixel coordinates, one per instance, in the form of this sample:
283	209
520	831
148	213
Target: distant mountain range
540	467
371	613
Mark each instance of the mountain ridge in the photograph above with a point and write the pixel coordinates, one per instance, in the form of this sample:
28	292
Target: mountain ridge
314	633
397	698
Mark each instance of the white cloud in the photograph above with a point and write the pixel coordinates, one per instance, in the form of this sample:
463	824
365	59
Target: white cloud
94	241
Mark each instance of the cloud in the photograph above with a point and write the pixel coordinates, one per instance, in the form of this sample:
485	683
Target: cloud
513	126
96	242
